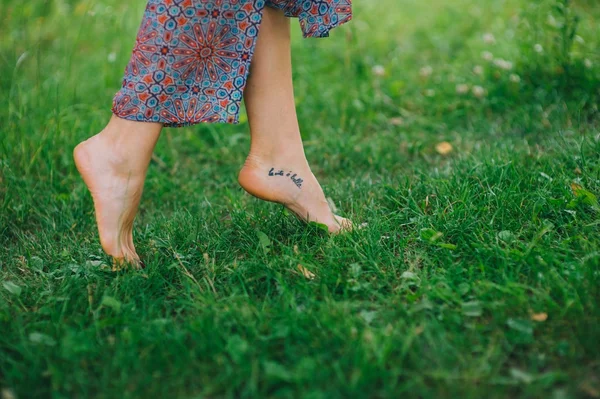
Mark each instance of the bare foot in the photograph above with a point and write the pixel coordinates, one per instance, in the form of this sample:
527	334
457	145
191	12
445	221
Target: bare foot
292	184
116	189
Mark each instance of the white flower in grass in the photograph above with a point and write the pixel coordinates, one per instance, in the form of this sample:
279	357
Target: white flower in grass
478	91
486	55
112	57
462	88
538	48
478	70
378	70
430	93
588	63
426	71
503	64
515	78
488	38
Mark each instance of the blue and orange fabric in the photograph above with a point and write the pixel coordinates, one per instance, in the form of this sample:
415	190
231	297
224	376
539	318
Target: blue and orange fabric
191	58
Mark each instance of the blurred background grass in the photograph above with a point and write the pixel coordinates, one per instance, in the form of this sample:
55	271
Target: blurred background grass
464	134
425	66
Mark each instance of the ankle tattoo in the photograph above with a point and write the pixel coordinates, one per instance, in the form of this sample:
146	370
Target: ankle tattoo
294	177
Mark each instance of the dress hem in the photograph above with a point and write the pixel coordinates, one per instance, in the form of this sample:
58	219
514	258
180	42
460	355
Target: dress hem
168	123
322	33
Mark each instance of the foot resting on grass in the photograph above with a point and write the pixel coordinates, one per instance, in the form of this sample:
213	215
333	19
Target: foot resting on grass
113	165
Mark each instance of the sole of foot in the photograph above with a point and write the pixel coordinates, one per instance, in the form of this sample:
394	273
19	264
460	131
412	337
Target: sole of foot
295	187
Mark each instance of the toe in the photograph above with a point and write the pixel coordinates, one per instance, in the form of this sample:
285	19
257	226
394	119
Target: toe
342	225
127	262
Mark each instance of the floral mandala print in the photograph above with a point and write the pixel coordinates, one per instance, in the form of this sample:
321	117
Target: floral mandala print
191	58
207	56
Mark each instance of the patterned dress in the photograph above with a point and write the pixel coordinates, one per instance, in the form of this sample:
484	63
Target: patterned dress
191	58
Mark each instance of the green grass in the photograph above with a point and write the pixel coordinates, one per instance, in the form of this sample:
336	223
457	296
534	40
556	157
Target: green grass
443	293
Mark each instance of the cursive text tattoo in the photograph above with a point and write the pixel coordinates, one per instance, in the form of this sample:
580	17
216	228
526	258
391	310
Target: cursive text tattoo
293	176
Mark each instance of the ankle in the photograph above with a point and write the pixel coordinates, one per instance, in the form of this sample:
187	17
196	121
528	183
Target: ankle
109	146
108	153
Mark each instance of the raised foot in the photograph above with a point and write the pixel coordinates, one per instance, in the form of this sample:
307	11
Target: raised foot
293	185
116	190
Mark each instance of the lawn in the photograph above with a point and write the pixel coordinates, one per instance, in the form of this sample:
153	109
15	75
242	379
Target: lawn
463	137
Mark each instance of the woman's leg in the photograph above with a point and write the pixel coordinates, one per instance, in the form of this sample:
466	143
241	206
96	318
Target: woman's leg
113	165
276	168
